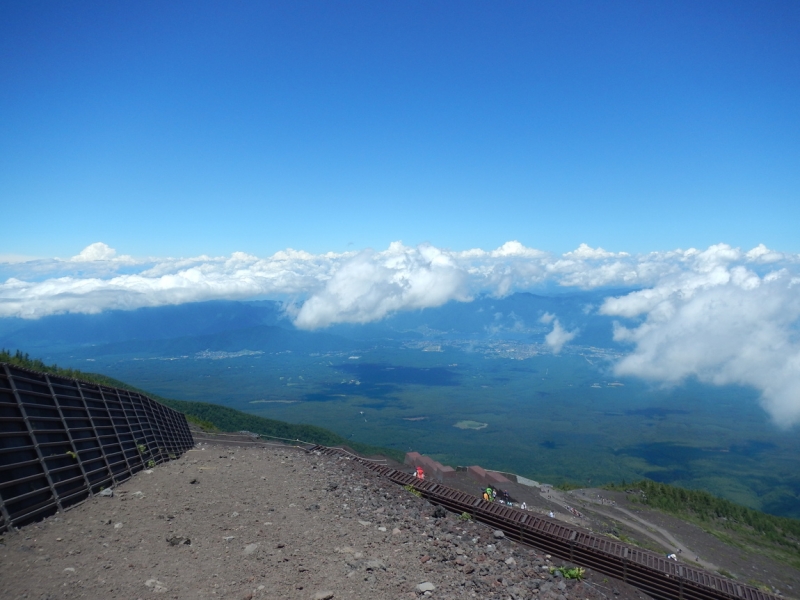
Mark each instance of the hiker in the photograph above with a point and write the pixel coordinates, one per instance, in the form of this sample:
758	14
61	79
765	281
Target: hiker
524	506
487	495
420	473
551	515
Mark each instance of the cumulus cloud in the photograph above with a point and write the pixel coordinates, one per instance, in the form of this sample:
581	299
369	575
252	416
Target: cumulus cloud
559	336
721	322
371	285
96	251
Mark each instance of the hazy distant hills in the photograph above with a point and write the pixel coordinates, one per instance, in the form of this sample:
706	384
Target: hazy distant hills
63	332
233	326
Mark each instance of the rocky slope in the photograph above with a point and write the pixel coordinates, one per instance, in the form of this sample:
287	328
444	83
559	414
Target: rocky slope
274	522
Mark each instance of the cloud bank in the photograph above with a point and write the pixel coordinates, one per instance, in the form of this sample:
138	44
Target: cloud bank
723	315
721	322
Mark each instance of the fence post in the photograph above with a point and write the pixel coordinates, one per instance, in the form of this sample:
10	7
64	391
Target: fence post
96	434
69	433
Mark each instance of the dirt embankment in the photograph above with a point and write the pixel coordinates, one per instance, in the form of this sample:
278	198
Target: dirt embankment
274	523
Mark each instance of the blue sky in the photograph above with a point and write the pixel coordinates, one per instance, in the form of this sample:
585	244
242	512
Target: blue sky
183	128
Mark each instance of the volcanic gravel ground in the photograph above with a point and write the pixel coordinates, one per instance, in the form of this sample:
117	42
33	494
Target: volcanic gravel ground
274	522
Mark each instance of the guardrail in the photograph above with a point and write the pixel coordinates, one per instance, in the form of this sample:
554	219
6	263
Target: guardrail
652	573
62	440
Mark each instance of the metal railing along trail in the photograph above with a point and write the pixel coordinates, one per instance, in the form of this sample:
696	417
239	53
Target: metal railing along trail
652	573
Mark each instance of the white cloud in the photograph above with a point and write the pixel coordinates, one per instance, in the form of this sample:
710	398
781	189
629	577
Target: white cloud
720	322
99	252
559	336
371	285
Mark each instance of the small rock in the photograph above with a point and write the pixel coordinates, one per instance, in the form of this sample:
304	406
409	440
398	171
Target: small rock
69	570
234	514
229	538
323	596
179	541
156	585
426	586
469	569
250	549
58	539
439	512
395	531
424	559
117	525
381	528
498	535
313	507
365	523
194	481
149	471
490	548
138	495
108	492
510	561
375	564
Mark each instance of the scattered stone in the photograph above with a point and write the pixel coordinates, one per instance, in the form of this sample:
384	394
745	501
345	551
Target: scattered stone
149	471
108	493
510	561
498	535
194	481
426	586
179	541
155	585
323	596
381	528
365	523
313	507
138	495
250	549
229	538
395	531
234	514
439	512
117	525
69	570
375	565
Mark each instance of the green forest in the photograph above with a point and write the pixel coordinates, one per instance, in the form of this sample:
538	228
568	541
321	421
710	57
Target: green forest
208	416
721	517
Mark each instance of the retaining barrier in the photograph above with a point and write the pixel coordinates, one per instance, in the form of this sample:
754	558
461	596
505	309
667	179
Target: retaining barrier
62	440
652	573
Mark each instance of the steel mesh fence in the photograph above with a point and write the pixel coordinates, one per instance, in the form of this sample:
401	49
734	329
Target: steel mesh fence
63	440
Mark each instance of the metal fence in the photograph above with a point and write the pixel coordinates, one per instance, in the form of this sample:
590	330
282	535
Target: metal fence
656	575
62	440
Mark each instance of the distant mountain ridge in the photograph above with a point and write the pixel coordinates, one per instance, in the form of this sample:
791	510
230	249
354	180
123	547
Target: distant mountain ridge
263	325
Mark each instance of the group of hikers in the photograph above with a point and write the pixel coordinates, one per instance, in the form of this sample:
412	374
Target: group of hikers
490	494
